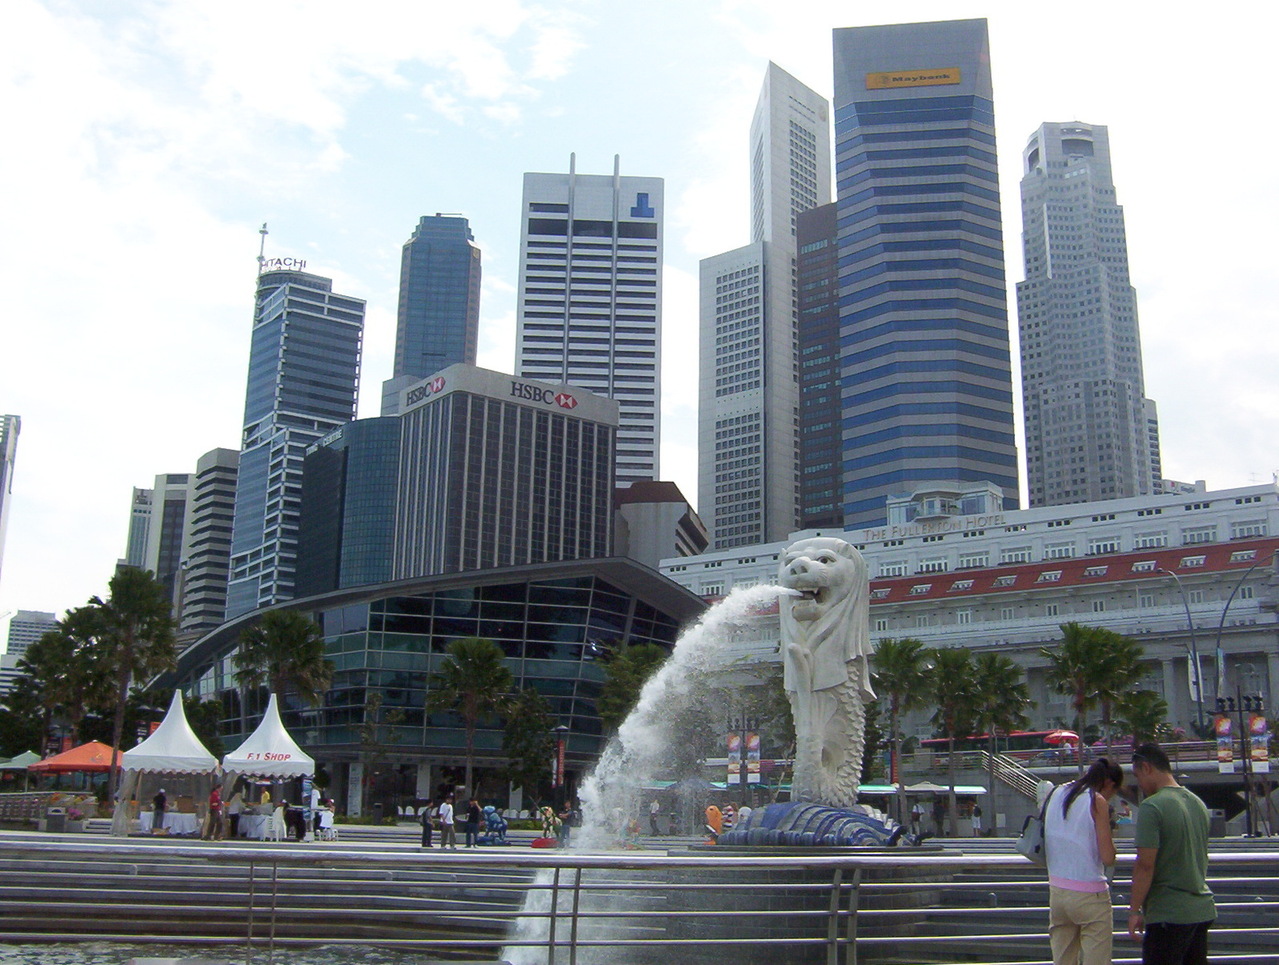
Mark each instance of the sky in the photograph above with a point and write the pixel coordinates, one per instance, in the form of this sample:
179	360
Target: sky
146	141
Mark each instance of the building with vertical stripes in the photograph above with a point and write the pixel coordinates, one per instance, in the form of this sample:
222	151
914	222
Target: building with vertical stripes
206	541
304	365
924	345
10	427
1091	433
589	308
499	470
748	391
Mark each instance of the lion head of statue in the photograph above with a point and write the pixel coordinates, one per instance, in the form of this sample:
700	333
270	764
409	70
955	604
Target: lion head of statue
827	575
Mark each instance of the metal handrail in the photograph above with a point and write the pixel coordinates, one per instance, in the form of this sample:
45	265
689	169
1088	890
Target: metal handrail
822	902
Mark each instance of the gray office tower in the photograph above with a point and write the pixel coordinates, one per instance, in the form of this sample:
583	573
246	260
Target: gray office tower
349	491
925	367
164	533
590	301
748	391
304	364
1091	433
498	470
439	315
10	427
206	541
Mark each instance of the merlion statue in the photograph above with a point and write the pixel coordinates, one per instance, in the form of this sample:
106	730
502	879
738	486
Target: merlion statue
825	643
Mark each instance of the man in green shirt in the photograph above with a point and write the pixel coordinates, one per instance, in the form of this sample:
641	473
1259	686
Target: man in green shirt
1172	906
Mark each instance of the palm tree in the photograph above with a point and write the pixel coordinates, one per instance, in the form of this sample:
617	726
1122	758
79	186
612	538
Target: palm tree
901	679
1122	671
954	692
66	671
284	649
1000	699
627	671
1143	713
474	683
1076	666
134	638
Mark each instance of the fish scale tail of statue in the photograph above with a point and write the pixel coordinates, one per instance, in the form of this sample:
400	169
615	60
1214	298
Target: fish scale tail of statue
825	646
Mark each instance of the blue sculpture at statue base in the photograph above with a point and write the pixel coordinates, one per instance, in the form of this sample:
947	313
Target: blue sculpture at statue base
797	823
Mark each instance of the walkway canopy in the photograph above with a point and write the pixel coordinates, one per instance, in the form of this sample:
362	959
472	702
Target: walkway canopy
269	751
172	748
94	757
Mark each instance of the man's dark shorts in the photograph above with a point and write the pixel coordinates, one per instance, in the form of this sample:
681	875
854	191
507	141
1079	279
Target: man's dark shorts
1171	944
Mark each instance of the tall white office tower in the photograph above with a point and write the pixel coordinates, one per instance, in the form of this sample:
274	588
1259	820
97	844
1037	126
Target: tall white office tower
10	426
748	396
590	299
1091	433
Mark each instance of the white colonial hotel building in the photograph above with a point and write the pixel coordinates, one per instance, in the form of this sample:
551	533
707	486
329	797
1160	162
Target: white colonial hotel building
951	569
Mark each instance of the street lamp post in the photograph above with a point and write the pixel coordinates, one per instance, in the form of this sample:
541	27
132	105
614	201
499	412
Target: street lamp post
743	725
1197	679
1221	657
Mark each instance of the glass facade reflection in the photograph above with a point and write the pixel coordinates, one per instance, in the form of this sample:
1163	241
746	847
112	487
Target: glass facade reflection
554	621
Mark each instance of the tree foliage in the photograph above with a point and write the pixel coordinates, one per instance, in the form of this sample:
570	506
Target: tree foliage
134	637
285	650
900	669
1092	666
474	683
625	674
954	690
528	742
1143	714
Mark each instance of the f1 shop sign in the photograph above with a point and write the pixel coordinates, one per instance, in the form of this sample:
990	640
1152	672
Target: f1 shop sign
268	756
535	393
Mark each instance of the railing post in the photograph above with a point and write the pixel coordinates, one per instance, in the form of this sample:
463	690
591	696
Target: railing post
854	897
577	894
248	945
832	919
275	891
550	931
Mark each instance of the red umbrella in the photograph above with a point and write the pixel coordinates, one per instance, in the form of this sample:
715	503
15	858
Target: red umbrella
1061	737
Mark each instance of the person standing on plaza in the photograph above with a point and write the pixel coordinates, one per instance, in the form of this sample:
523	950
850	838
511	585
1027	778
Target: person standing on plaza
234	809
448	835
1079	844
428	822
216	829
976	818
473	818
654	810
158	804
1172	906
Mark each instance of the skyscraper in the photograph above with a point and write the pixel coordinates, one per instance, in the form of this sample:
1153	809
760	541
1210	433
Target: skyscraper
748	393
439	314
925	367
1090	431
497	470
304	364
589	309
135	550
164	535
10	426
206	540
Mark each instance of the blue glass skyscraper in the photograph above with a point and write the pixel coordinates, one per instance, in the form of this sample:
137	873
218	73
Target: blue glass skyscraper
303	372
439	313
924	350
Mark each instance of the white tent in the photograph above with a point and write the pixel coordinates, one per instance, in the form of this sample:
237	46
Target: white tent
172	748
269	751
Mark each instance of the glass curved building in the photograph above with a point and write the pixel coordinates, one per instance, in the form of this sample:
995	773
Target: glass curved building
555	622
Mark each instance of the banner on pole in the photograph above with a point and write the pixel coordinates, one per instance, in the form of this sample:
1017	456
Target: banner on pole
1221	726
1259	739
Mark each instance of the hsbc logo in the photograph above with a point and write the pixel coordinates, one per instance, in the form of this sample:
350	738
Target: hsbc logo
424	391
535	393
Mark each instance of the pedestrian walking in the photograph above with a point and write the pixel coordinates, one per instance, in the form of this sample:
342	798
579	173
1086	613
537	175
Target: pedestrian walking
448	834
917	818
976	819
654	810
216	830
1078	840
1172	906
473	818
234	808
158	804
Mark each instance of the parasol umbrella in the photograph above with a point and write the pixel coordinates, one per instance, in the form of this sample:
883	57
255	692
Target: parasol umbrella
1061	737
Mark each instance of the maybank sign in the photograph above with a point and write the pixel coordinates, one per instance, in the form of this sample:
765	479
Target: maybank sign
933	77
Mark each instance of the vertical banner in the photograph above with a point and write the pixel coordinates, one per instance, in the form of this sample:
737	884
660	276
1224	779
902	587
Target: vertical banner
752	758
1195	675
1225	745
734	758
559	765
1259	734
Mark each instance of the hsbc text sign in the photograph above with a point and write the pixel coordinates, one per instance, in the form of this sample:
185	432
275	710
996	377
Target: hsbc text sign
424	391
538	393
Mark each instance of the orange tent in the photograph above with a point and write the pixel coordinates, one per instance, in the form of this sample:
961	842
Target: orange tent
93	756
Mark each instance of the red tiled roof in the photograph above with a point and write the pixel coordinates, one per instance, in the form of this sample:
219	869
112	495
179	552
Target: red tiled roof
1079	571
